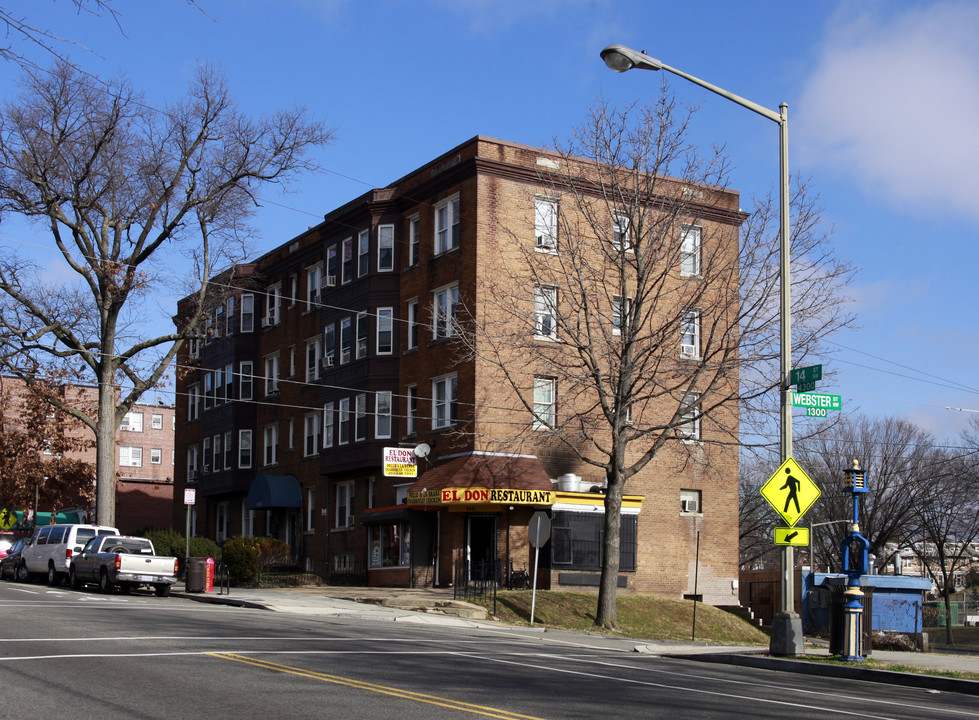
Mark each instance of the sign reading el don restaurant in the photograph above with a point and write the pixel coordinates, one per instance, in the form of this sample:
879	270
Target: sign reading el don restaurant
482	496
400	462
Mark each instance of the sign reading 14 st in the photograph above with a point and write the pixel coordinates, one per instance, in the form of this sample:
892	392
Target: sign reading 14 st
790	491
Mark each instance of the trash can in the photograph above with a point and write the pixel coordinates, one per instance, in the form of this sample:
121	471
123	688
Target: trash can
196	574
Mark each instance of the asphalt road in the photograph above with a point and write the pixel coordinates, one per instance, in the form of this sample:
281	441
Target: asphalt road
85	655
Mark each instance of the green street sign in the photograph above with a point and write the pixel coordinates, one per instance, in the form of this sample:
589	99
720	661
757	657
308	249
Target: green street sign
816	404
808	374
805	387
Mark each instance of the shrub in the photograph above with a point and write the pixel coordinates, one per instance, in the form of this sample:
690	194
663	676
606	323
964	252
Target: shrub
243	558
204	547
273	552
167	542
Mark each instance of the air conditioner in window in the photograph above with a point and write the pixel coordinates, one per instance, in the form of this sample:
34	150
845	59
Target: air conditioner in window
329	281
266	322
328	361
545	241
191	474
689	506
690	350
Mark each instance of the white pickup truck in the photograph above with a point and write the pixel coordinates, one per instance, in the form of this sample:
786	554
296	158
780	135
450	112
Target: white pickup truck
123	561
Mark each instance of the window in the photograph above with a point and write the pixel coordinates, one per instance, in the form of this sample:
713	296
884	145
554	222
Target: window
689	427
244	448
445	307
218	386
193	402
329	345
311	433
194	347
346	340
272	374
246	371
310	509
208	390
413	240
690	502
229	379
228	449
293	289
273	306
385	248
447	225
206	455
360	417
345	505
217	462
545	389
621	232
363	252
577	541
230	326
411	410
347	262
545	223
413	323
444	401
247	521
132	421
271	445
362	330
385	331
343	421
156	456
247	313
192	455
221	520
329	420
130	456
219	321
313	276
621	311
156	421
382	415
331	268
292	361
390	545
545	311
690	333
314	354
690	251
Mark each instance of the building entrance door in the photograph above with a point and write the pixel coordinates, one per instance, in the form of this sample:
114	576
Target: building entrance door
481	552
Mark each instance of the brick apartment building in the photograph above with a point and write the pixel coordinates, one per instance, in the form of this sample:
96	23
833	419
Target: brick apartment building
341	342
144	460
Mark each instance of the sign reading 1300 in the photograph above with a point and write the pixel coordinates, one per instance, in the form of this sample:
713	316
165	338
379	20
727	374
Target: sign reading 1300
816	404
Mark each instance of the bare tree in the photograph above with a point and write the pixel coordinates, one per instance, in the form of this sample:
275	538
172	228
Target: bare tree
658	316
755	515
135	201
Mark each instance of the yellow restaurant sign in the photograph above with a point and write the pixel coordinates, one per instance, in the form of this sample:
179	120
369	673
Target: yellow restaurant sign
481	496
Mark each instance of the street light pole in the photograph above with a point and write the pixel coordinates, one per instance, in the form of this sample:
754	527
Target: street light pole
786	636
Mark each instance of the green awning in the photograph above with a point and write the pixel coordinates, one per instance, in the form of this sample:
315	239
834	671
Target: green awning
274	491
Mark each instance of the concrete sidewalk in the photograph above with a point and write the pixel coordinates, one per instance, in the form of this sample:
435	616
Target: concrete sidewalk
437	607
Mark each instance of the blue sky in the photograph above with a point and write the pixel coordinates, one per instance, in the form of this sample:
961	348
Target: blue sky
883	105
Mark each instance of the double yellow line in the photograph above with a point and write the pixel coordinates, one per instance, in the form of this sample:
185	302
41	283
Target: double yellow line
372	687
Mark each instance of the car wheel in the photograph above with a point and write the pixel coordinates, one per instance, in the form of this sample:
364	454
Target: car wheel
104	584
54	577
21	573
73	581
162	590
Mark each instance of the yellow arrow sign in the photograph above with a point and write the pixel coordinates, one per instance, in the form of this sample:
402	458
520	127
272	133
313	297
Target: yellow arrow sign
790	491
792	536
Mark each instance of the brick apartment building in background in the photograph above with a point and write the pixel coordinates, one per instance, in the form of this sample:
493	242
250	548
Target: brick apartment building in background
144	461
340	342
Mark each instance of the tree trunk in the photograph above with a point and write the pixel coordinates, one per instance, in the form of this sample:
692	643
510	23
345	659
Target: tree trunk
606	616
105	444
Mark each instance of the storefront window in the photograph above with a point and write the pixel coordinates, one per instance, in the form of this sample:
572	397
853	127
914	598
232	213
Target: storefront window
390	545
577	541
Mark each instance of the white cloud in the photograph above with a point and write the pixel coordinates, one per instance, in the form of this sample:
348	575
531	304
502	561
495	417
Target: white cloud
893	101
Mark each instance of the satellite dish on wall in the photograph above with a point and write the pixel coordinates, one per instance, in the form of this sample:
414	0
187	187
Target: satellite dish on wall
422	450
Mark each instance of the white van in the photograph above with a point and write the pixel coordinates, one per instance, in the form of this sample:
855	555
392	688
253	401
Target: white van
51	547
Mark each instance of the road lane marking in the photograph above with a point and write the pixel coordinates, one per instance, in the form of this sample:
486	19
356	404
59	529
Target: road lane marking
381	689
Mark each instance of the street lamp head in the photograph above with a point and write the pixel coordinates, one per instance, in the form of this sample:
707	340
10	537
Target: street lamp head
621	58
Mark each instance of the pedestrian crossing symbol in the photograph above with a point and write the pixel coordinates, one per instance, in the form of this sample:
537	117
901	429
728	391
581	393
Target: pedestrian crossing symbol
790	491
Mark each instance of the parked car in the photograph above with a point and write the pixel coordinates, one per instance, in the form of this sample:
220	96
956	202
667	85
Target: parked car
10	562
122	561
8	538
52	547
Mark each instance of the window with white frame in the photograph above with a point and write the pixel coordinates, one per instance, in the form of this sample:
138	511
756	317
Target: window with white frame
413	323
444	391
347	260
545	311
382	414
447	225
193	402
313	278
621	312
272	373
228	449
230	316
411	409
346	340
362	331
690	333
445	308
221	520
689	427
385	331
545	223
219	321
273	305
311	434
291	425
343	421
246	373
332	268
292	361
217	459
208	390
247	521
360	417
363	252
244	449
690	251
329	422
156	421
271	434
385	248
690	502
206	455
130	456
414	240
329	345
247	313
310	514
193	453
345	504
314	356
132	421
621	231
156	456
545	391
293	289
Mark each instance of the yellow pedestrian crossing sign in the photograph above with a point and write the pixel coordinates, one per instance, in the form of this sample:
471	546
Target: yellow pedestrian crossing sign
7	519
790	491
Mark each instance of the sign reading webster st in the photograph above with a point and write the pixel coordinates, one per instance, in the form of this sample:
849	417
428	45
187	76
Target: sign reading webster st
400	462
790	491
